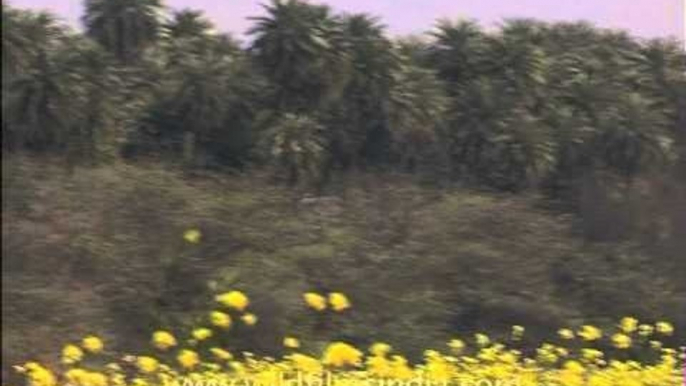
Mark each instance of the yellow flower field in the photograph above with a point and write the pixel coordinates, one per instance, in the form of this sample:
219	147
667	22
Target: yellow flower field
570	359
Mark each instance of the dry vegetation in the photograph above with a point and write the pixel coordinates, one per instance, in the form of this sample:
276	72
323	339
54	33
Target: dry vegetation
101	250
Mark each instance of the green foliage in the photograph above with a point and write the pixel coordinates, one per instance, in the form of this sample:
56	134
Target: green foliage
294	144
125	28
357	123
530	105
188	23
588	115
205	105
417	108
64	101
298	46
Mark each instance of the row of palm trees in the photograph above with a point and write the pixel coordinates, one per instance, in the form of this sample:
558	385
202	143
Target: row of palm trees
532	104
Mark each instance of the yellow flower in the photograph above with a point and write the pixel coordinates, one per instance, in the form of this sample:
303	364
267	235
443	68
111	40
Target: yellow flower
221	354
400	368
517	332
237	367
192	236
201	334
340	354
220	319
628	325
71	354
655	345
291	342
565	334
188	359
621	341
645	330
81	377
547	354
591	354
38	375
92	344
590	333
234	299
490	360
305	363
315	301
456	345
139	382
163	340
379	366
95	379
574	366
482	340
76	376
147	364
338	301
380	349
664	328
249	319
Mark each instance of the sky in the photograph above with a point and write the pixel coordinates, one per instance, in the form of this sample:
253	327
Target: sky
644	18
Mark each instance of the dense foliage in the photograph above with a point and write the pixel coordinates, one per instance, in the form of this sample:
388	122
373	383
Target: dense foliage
414	146
313	92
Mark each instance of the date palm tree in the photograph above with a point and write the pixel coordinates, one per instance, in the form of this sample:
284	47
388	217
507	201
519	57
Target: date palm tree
418	104
188	23
35	96
208	91
14	42
124	27
295	146
495	133
361	113
299	47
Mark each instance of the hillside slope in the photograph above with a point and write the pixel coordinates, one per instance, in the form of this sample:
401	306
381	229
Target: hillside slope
101	250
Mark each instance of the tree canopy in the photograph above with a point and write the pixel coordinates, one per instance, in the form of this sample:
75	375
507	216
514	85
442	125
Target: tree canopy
531	105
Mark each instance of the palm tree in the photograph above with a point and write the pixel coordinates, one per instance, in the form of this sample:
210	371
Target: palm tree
362	110
62	96
665	62
417	107
521	62
206	97
199	102
634	135
458	53
496	133
25	34
191	35
124	27
65	102
295	145
299	47
521	138
188	23
93	129
38	106
15	56
35	100
14	42
605	105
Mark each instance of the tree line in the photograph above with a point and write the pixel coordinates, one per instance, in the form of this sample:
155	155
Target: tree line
315	92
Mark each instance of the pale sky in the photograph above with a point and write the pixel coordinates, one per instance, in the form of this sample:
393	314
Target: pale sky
645	18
